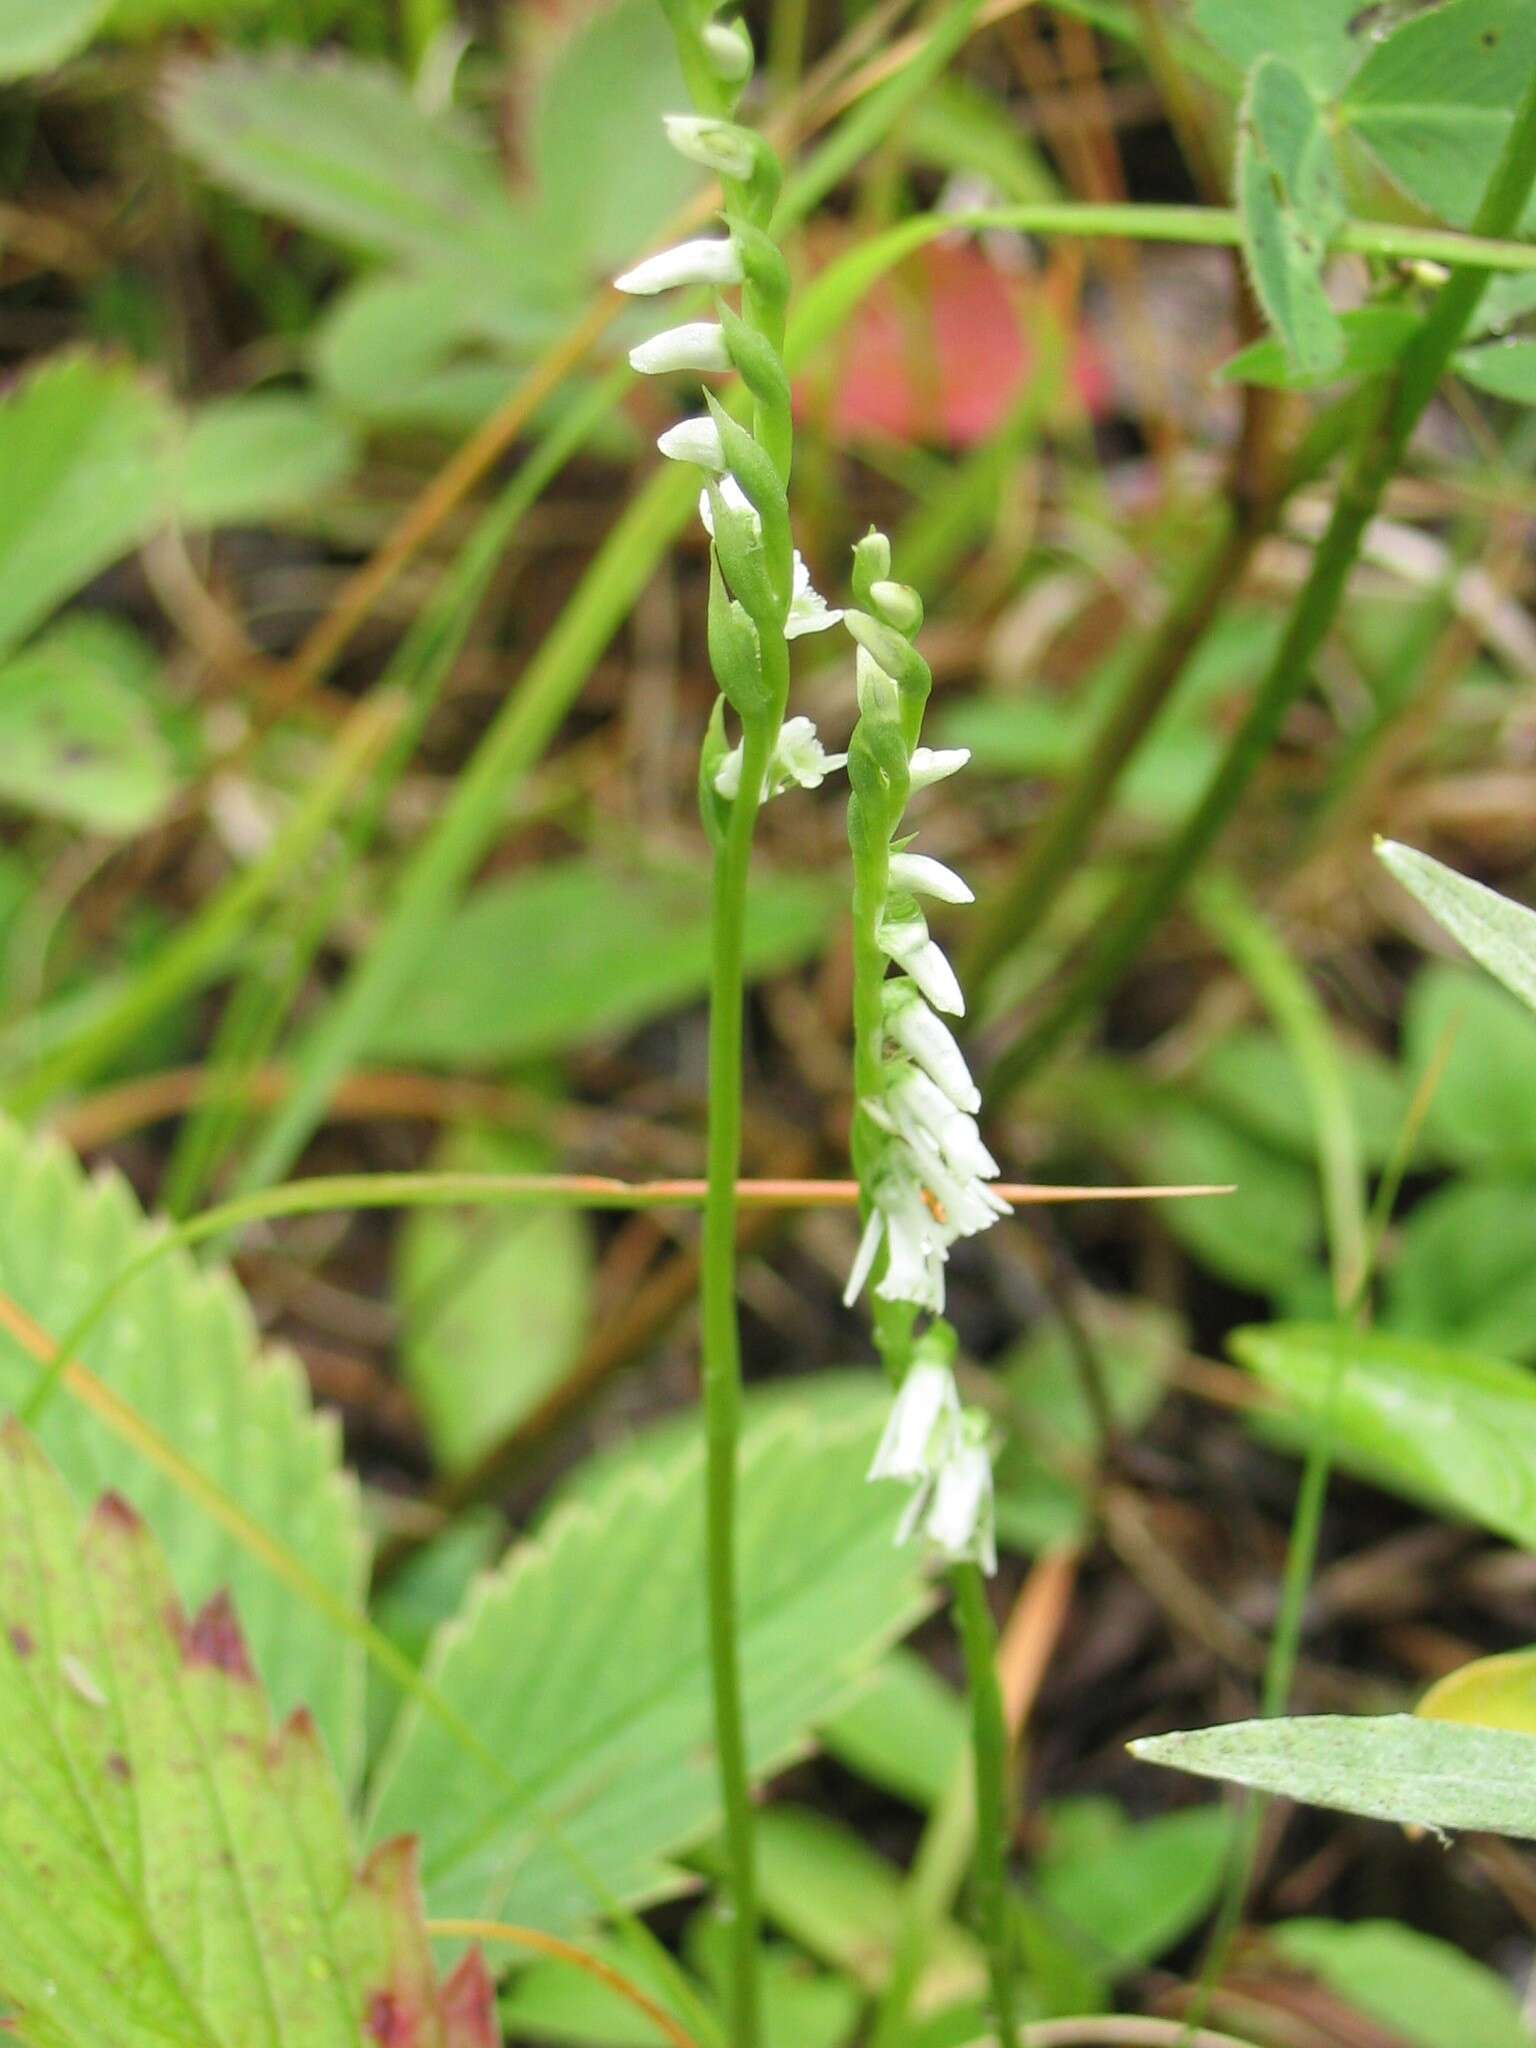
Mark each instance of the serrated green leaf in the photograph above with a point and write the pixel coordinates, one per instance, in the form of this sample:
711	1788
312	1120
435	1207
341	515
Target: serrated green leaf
37	34
592	951
1321	38
594	133
78	736
1427	1992
179	1874
83	449
1451	1427
582	1666
1506	369
1435	101
1289	197
179	1347
1426	1774
1500	935
258	456
1374	338
493	1302
340	145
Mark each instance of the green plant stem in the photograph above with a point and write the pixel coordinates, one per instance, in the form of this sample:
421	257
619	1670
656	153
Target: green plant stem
722	1358
1382	444
989	1744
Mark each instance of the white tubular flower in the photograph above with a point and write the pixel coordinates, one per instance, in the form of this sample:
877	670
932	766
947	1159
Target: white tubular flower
718	146
931	764
696	440
799	758
914	1239
923	1416
925	876
958	1516
928	1040
809	612
923	1113
696	345
798	761
712	260
904	939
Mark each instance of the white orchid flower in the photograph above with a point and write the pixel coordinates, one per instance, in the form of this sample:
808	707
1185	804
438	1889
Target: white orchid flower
713	260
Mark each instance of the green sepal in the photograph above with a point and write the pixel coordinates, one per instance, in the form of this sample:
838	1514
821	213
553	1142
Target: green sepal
878	774
767	278
757	363
735	653
760	191
714	811
754	469
898	658
739	556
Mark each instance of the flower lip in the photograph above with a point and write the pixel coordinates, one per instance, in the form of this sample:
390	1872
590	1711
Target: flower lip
932	764
905	940
712	260
694	440
695	345
923	874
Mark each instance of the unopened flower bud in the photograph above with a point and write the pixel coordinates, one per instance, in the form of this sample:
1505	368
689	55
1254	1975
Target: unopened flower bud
719	146
898	604
729	50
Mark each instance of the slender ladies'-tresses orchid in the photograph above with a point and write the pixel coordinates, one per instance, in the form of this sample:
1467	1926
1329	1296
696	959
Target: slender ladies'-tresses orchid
923	1169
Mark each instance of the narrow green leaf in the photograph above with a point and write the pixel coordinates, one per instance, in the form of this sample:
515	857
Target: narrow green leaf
1427	1992
179	1346
83	450
1290	201
493	1303
177	1871
594	951
1425	1774
1499	935
1434	101
582	1666
78	735
1452	1427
